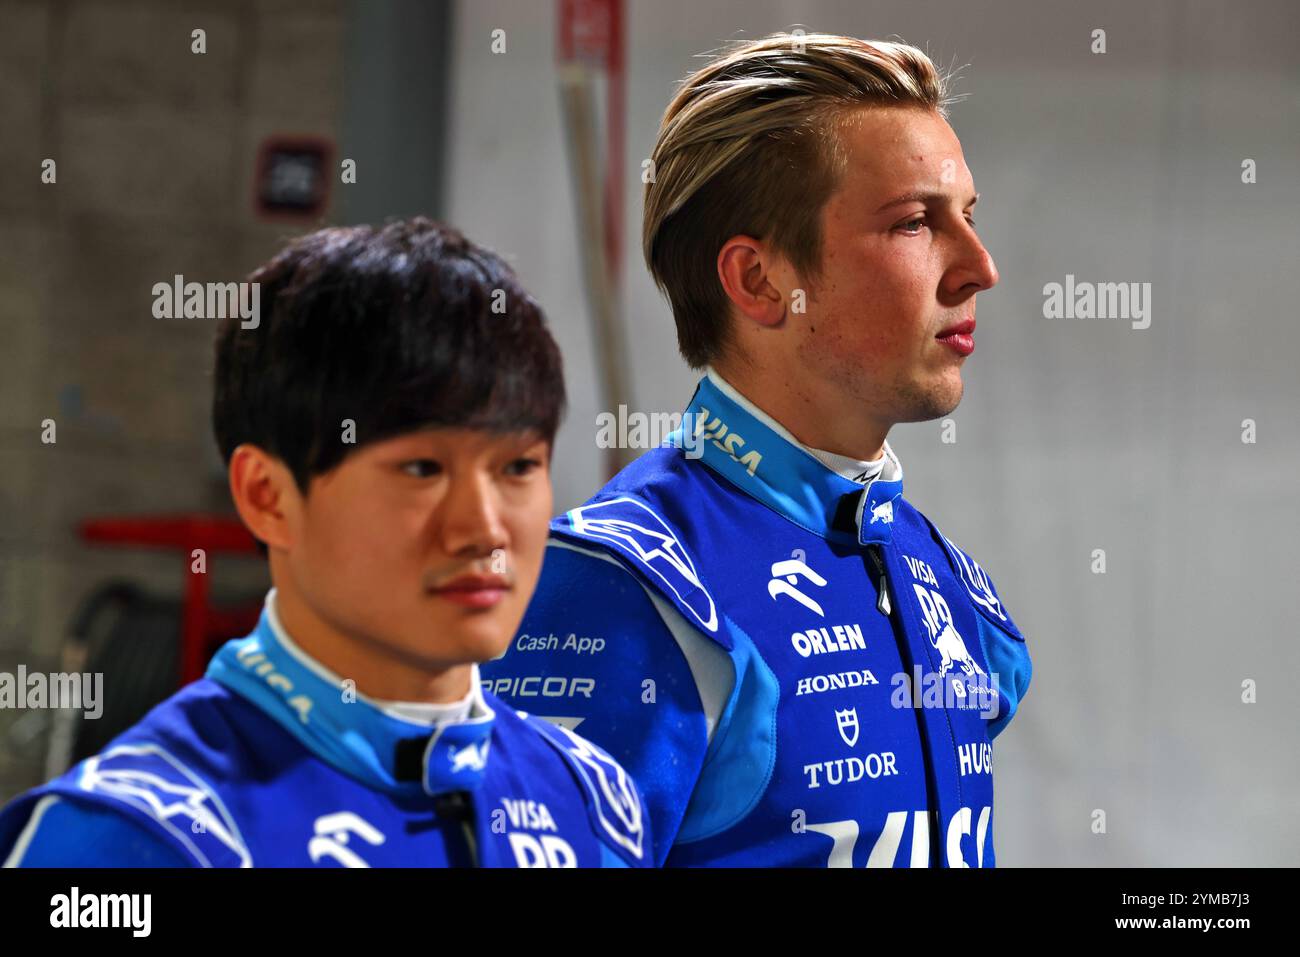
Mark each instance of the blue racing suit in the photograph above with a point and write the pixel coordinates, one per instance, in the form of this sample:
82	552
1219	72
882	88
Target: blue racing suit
798	669
269	760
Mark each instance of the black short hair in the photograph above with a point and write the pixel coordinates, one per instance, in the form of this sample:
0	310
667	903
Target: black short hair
397	327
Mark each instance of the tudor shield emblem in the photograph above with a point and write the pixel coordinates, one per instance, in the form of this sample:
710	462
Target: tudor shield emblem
847	722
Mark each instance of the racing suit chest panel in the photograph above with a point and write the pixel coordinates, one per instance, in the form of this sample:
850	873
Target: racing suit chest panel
949	686
858	778
228	786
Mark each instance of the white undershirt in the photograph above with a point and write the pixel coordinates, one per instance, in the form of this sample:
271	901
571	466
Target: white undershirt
423	712
855	470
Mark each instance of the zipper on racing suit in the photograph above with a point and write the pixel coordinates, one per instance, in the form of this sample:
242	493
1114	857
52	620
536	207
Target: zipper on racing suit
885	608
882	584
458	806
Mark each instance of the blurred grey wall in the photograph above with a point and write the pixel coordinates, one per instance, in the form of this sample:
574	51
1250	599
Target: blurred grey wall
1073	435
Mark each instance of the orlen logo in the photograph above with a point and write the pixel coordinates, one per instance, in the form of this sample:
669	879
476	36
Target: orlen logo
711	428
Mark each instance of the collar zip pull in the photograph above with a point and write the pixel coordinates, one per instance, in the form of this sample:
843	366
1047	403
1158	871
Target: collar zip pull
882	584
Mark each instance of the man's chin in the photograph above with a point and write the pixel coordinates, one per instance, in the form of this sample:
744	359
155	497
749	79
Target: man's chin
948	407
935	403
479	642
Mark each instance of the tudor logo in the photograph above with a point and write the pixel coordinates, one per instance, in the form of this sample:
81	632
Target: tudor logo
785	578
847	722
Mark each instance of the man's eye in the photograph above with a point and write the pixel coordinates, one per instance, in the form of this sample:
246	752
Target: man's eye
523	466
421	468
971	220
920	220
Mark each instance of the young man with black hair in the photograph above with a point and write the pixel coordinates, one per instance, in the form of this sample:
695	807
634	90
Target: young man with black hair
387	428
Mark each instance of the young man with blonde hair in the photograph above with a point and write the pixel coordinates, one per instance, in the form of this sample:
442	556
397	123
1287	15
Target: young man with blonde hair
797	666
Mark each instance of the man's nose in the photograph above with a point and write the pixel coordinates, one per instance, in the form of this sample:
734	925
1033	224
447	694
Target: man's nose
469	517
975	270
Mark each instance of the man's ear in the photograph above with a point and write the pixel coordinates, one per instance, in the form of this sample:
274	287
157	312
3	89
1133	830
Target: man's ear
265	493
752	277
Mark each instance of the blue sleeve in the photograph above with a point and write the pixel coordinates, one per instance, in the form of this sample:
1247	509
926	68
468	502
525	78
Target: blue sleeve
593	654
67	833
1008	659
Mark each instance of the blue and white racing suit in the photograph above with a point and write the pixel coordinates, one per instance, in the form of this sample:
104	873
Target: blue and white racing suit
270	761
798	669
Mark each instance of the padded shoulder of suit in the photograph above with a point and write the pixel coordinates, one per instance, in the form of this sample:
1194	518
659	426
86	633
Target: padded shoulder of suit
614	803
167	770
636	532
156	775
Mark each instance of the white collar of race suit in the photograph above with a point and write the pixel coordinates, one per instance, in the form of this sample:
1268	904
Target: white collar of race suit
887	467
745	445
354	733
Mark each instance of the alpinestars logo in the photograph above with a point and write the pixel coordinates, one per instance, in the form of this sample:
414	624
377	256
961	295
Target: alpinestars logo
617	805
636	531
149	778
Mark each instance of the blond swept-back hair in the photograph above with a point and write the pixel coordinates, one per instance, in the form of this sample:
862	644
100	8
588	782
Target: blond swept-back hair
750	145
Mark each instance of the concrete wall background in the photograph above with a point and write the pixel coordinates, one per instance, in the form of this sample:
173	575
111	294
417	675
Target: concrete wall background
155	149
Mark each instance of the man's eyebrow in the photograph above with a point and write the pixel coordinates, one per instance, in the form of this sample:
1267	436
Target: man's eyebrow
924	197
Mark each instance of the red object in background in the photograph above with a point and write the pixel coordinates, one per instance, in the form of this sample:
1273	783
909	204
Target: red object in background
201	624
291	181
591	31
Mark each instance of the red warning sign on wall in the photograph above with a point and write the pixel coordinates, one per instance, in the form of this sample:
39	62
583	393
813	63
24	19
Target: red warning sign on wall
292	180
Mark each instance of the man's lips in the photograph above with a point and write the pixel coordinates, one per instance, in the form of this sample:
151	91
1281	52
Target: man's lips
960	336
474	591
964	328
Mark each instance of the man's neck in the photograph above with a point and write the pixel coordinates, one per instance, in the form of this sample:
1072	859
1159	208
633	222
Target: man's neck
804	412
376	670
